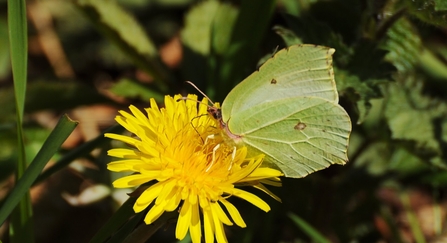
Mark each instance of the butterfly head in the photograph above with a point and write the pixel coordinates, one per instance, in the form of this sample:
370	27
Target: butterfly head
215	112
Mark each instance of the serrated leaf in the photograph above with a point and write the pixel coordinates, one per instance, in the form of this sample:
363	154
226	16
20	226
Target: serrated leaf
403	45
357	91
375	158
406	51
427	11
410	115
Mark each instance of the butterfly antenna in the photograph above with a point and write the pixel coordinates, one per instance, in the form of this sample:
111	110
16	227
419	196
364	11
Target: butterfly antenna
275	51
200	91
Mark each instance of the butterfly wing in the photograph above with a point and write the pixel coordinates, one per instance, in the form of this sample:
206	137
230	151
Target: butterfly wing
300	70
298	135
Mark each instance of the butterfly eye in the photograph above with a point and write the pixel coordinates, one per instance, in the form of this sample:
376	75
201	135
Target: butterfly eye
215	113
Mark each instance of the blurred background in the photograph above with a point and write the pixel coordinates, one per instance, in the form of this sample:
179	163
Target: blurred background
91	58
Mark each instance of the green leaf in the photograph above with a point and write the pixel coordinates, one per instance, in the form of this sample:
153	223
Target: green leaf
406	163
246	37
403	52
222	27
296	8
18	40
122	29
411	116
426	11
196	35
207	31
432	65
135	90
308	229
357	91
21	220
196	40
368	61
440	5
60	133
288	36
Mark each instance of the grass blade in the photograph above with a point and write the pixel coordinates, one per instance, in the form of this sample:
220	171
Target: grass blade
21	228
308	229
412	219
60	133
82	150
115	222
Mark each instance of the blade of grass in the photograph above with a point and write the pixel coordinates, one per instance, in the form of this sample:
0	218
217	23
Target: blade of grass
115	222
308	229
60	133
412	219
387	216
143	232
19	45
21	228
80	151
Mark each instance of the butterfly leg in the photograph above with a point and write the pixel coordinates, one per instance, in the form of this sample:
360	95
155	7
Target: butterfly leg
214	157
233	155
209	137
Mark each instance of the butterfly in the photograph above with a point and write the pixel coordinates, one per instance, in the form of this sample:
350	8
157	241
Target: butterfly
289	111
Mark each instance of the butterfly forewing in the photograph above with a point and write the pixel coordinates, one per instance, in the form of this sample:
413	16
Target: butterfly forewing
302	70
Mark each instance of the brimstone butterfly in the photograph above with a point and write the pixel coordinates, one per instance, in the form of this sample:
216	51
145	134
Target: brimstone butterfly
289	111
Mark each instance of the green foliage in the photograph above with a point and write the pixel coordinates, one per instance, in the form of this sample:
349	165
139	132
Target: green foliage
390	67
21	226
308	229
116	23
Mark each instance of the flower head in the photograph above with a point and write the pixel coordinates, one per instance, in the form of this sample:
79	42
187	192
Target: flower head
180	150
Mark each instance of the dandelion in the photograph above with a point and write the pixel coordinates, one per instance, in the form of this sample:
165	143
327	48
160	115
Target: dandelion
179	148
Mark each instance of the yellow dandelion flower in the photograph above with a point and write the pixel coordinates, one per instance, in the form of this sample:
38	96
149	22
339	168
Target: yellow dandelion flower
180	149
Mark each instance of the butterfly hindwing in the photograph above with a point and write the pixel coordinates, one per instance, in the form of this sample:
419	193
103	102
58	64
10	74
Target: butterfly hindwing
298	135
